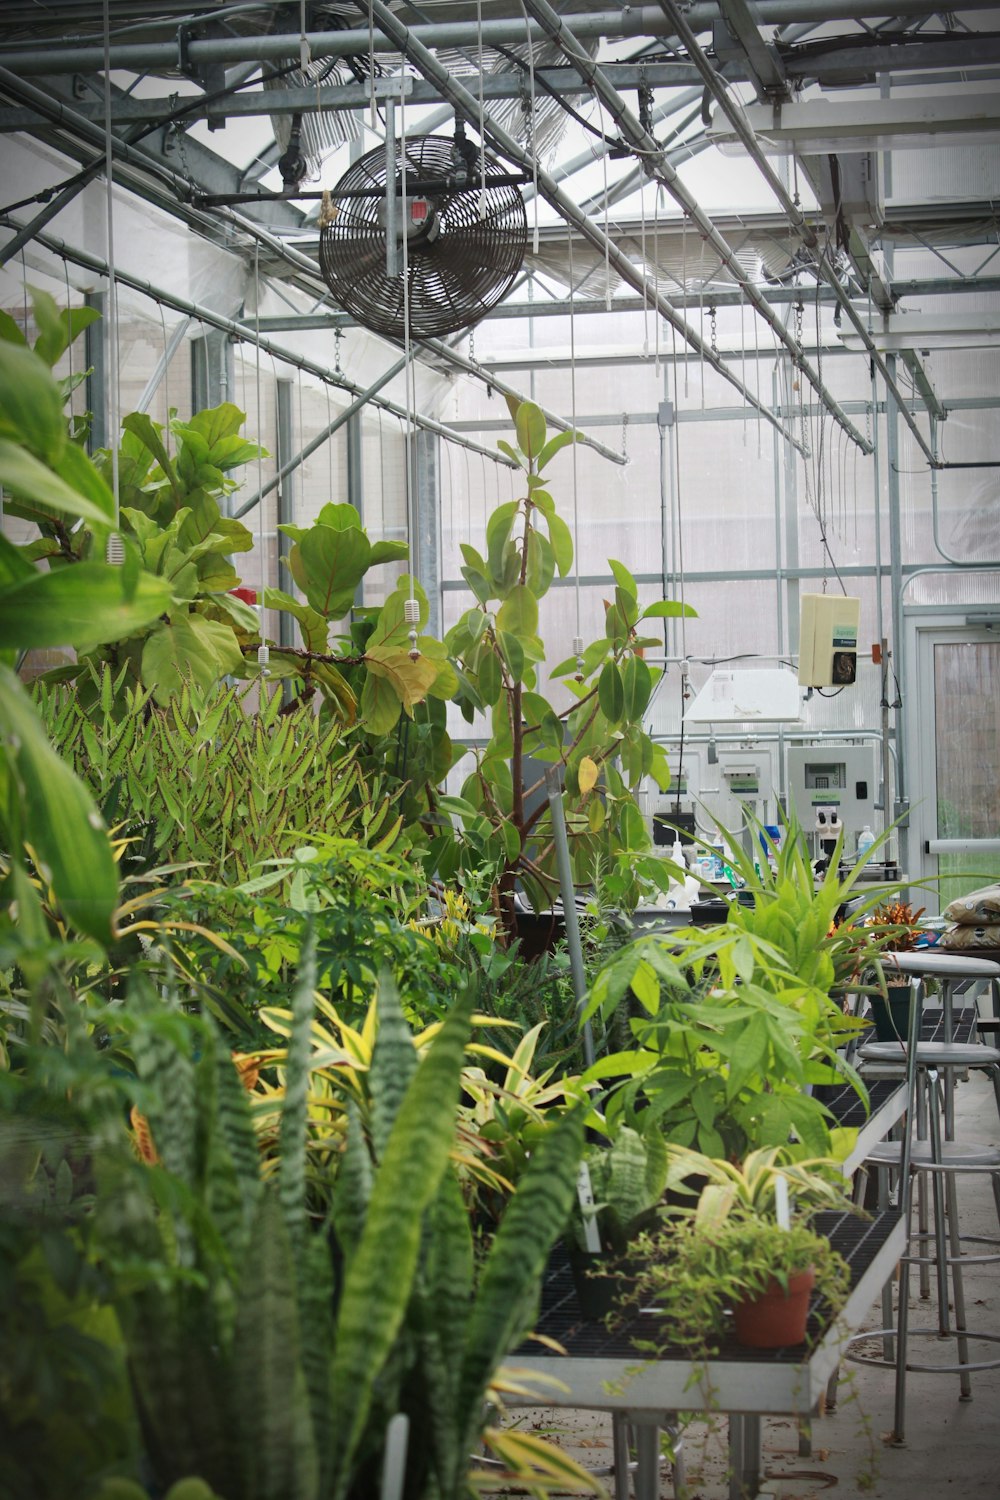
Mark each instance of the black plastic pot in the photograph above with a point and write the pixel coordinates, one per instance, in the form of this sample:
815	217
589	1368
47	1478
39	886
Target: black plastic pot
892	1016
600	1281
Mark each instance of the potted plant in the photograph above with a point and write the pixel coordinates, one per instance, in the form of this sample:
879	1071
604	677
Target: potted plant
736	1261
897	927
627	1179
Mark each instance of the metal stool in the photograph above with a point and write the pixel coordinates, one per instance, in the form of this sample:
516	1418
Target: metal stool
942	1159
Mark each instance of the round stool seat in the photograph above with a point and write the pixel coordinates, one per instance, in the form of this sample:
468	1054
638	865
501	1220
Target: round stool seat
934	1054
954	1155
935	965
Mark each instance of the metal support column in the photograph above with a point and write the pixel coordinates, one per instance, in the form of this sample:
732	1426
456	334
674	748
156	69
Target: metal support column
97	377
211	369
355	465
426	544
786	525
285	498
896	587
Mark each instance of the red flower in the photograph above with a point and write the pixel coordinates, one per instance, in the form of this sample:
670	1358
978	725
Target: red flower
249	596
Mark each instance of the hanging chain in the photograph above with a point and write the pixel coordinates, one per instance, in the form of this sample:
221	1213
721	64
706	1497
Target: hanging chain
713	331
338	334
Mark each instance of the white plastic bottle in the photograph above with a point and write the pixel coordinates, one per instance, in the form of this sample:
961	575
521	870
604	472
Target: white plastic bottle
865	840
677	853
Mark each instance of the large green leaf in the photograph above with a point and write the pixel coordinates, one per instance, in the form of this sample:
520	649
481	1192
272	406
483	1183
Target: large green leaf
530	425
39	489
379	1276
554	446
519	612
188	648
669	609
498	529
142	426
562	543
81	474
380	704
58	327
334	563
58	818
31	410
637	681
611	693
314	626
508	1287
82	606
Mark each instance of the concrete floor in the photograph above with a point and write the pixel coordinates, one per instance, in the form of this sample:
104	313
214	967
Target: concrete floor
952	1446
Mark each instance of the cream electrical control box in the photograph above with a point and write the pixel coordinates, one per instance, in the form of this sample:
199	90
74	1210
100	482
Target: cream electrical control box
828	640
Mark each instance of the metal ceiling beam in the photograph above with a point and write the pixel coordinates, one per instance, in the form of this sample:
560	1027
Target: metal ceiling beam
824	125
187	53
296	259
939	286
736	117
660	169
250	103
841	67
465	103
763	61
242	333
158	154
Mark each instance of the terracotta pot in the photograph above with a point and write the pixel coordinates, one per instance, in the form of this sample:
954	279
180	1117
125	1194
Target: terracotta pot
776	1318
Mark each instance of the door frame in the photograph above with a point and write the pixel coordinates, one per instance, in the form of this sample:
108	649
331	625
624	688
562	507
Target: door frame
921	624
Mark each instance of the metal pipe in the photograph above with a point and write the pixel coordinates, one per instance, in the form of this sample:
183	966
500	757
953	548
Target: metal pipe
468	107
321	437
896	585
798	220
153	383
956	562
481	372
625	21
560	838
658	167
243	335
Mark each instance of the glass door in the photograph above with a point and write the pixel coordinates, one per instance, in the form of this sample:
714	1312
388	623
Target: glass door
955	760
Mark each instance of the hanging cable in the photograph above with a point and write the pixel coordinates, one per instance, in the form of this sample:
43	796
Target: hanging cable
373	110
69	347
533	122
115	548
166	378
677	491
645	273
329	442
263	653
607	230
578	638
482	112
411	608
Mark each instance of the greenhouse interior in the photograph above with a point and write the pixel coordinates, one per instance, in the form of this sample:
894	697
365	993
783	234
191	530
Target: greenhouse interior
500	602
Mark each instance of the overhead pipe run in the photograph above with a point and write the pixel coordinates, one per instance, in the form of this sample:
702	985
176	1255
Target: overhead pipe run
95	135
806	233
268	346
188	55
468	107
657	166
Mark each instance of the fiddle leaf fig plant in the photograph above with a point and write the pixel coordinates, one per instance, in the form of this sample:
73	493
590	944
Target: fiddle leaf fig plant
497	652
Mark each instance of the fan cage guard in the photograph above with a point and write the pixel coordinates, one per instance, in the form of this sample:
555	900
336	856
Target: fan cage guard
455	277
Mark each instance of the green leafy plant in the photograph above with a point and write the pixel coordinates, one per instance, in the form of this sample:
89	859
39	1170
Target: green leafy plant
497	651
206	782
49	479
628	1179
727	1040
694	1270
